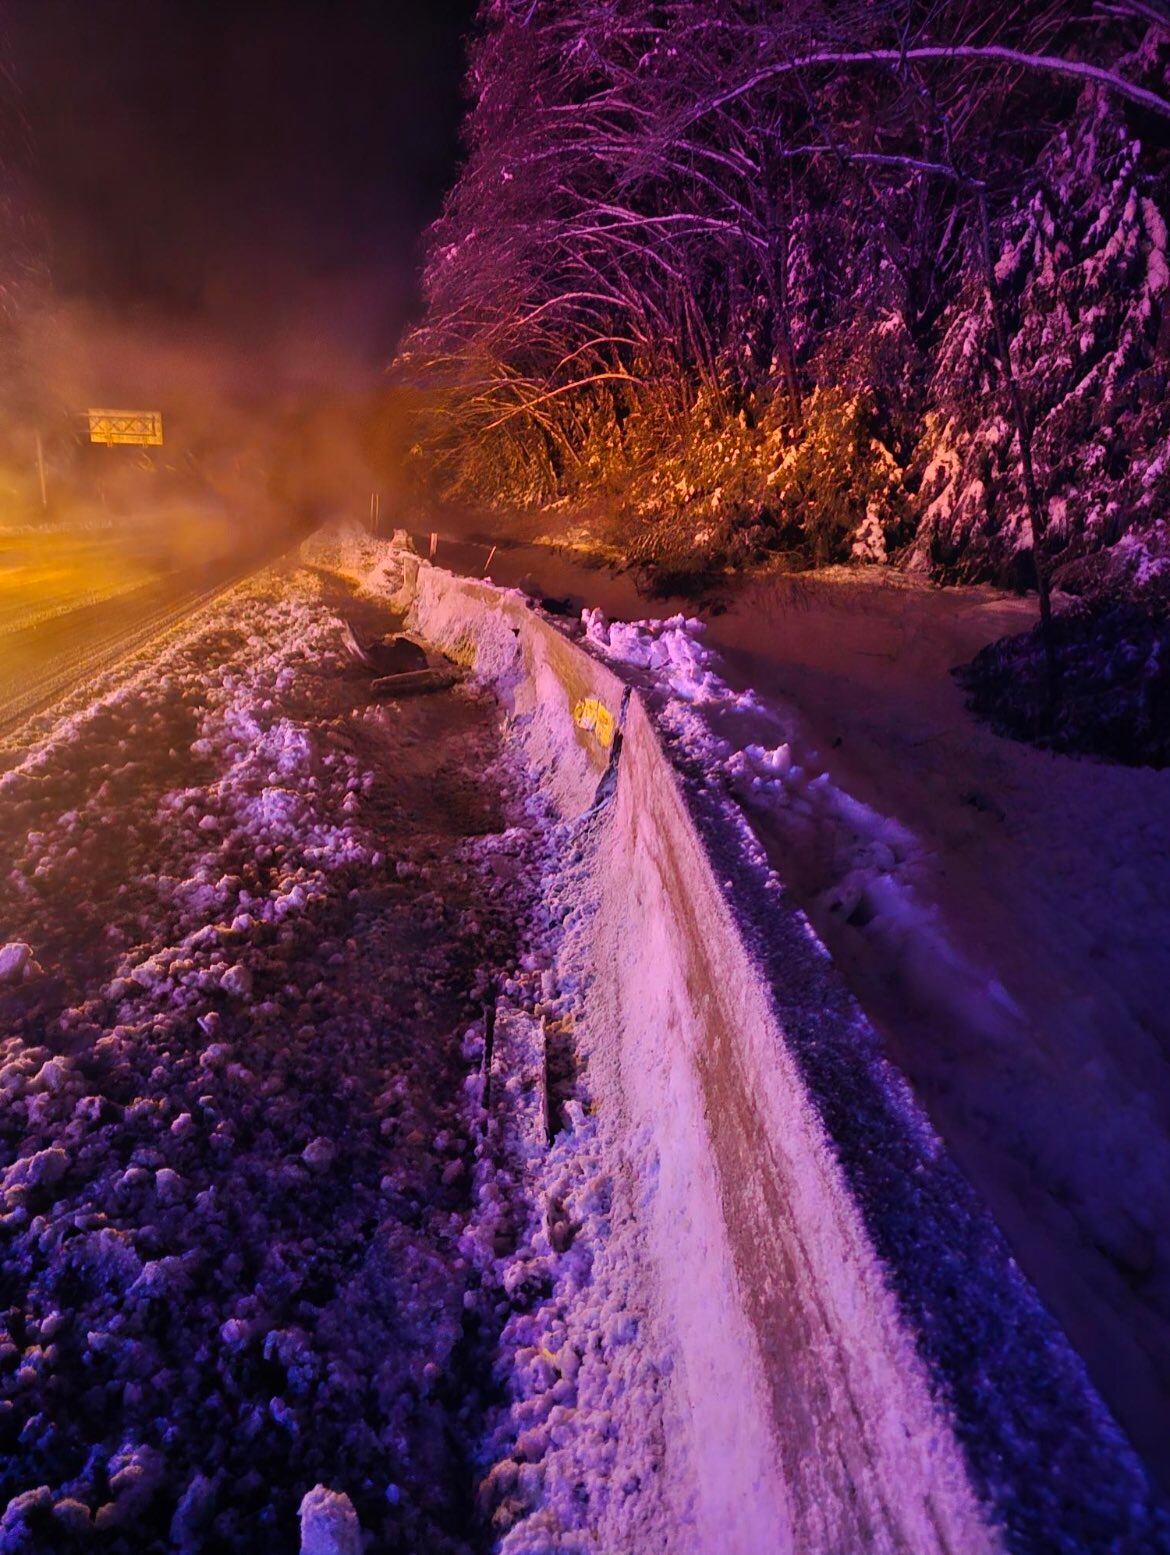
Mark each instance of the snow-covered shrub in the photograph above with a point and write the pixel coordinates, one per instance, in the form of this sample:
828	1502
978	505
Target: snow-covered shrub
839	487
1113	691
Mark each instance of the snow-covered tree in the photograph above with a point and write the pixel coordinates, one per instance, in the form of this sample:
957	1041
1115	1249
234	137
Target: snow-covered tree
680	225
1081	274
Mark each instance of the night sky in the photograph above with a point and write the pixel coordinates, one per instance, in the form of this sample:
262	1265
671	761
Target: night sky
241	165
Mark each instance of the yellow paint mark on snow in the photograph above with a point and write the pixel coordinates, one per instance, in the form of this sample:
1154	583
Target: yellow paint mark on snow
593	715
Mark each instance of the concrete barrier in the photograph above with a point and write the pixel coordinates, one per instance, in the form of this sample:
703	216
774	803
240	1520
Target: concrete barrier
862	1367
541	677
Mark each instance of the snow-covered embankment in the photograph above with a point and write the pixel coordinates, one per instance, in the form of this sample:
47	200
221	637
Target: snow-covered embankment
856	1362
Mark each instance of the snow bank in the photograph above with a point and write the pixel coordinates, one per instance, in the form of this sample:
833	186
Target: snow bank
233	1132
857	1364
673	648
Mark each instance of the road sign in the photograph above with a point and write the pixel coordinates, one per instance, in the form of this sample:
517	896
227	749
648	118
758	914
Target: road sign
142	428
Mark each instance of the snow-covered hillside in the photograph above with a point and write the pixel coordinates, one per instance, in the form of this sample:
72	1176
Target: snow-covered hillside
882	283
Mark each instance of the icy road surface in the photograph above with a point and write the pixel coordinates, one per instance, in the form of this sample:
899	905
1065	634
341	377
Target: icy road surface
256	1233
55	654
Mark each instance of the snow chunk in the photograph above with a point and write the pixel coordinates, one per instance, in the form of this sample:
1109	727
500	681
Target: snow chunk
54	1076
168	1185
319	1153
192	1515
39	1170
671	650
16	964
329	1524
105	1259
237	981
136	1473
14	1529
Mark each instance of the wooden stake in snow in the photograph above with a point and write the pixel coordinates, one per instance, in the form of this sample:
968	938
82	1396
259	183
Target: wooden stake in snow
489	1033
546	1107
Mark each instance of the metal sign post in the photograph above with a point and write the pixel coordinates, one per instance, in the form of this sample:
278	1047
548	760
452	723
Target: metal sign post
41	473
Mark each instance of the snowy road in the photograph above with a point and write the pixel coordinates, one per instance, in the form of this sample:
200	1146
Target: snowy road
256	1237
53	657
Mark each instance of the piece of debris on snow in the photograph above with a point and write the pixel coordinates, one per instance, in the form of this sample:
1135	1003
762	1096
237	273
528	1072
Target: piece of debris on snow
391	655
416	682
397	654
353	647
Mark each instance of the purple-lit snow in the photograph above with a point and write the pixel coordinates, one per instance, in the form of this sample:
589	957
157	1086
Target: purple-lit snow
290	1264
256	1237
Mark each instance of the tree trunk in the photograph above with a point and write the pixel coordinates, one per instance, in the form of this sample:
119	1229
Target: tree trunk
1036	518
780	300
